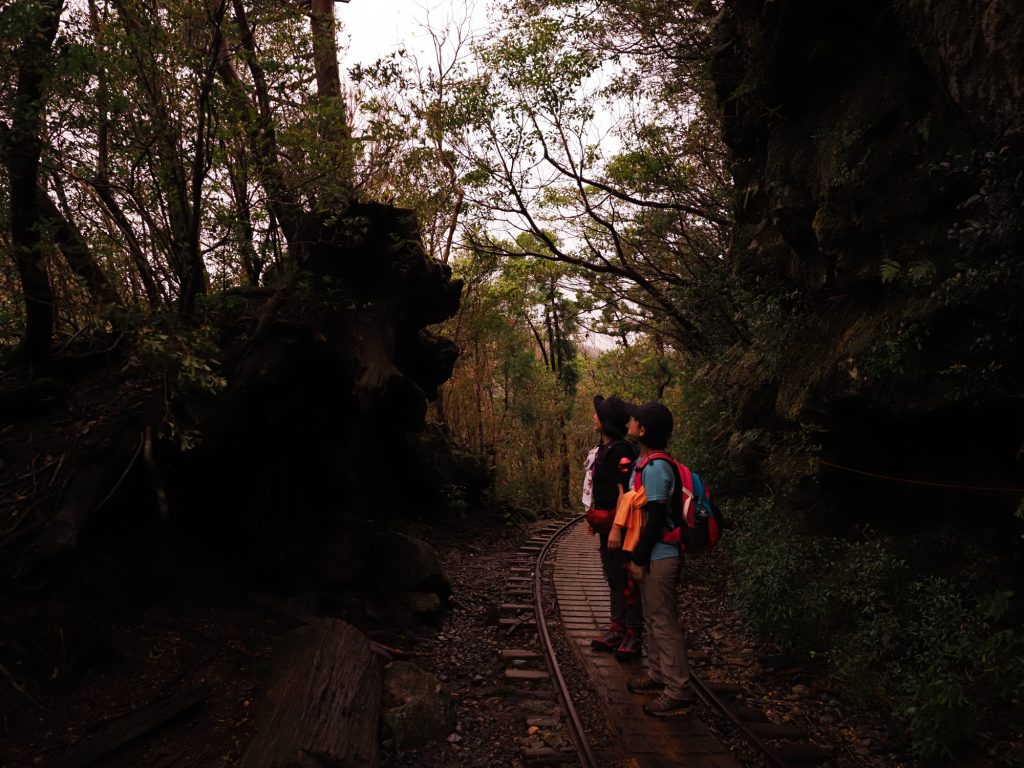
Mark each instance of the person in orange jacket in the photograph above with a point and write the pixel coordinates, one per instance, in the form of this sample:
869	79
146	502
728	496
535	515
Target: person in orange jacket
654	563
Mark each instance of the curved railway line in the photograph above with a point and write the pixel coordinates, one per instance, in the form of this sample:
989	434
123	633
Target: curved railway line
561	736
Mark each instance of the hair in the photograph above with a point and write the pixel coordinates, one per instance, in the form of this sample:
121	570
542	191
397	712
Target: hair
656	439
657	422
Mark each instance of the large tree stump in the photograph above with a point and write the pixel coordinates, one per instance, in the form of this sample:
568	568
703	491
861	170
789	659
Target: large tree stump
322	704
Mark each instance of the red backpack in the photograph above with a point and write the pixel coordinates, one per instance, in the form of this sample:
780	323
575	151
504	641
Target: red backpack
698	523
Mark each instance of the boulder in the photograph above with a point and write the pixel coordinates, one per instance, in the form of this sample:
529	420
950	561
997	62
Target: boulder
418	709
406	564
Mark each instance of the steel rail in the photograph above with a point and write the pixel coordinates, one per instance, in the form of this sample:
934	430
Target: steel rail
712	699
575	725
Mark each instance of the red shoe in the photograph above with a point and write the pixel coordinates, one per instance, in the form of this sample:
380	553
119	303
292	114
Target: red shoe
610	639
631	646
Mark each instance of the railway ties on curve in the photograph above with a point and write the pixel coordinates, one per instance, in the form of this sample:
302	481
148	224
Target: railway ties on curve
561	559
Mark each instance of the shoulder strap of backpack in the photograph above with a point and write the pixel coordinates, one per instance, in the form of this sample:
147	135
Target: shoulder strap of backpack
643	462
682	496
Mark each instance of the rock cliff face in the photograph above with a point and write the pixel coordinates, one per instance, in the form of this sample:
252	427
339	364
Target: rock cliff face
877	153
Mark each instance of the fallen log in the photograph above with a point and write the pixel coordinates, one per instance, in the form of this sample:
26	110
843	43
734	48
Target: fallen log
302	616
322	702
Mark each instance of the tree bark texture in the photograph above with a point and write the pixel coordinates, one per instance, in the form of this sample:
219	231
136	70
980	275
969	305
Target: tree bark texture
23	151
259	123
77	253
322	703
334	128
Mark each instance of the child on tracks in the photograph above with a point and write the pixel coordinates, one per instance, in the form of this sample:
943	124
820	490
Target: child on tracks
655	563
610	465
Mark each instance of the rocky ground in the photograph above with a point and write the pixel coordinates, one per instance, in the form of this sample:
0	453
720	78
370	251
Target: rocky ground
206	634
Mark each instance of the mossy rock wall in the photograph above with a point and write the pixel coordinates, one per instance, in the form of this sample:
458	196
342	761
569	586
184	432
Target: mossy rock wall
876	149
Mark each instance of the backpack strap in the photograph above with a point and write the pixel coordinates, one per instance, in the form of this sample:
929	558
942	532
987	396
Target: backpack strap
641	463
685	476
682	498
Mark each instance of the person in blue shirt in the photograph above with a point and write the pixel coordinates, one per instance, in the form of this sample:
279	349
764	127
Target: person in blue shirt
655	566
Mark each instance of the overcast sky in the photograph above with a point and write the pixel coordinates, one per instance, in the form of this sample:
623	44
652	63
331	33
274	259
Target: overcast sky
374	28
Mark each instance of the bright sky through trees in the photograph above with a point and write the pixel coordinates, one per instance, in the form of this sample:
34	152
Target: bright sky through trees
375	28
371	29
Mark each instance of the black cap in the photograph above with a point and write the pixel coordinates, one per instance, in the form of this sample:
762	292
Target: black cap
611	412
656	420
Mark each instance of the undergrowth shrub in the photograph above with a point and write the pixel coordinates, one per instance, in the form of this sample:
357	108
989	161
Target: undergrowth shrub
777	585
864	618
935	665
939	652
955	664
186	360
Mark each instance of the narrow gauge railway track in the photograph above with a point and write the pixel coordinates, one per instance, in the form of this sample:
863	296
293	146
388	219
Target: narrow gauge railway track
781	745
561	725
575	725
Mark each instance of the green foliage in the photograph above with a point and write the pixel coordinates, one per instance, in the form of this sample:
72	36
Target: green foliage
186	361
918	645
935	694
515	382
920	273
777	586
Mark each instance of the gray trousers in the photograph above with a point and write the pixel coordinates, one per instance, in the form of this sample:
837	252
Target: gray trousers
666	647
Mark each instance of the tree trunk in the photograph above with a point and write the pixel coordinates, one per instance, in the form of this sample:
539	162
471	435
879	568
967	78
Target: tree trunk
259	125
138	256
22	156
566	473
77	253
238	174
334	128
101	182
323	701
196	279
142	31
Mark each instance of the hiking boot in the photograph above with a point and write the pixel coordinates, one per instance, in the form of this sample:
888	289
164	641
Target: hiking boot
664	706
610	639
630	647
644	683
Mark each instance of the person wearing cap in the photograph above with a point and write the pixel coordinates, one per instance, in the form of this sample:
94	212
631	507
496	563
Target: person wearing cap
655	565
611	465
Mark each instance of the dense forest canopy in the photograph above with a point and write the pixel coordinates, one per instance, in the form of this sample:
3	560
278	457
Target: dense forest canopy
798	224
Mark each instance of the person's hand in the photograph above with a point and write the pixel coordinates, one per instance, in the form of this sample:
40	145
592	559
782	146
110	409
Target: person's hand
636	572
615	539
590	528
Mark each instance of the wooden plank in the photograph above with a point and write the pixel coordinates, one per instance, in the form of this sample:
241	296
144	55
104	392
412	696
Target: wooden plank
750	714
543	721
515	607
726	689
526	674
513	654
548	755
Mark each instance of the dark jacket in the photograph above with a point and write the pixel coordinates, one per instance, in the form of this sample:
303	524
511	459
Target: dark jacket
611	472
